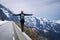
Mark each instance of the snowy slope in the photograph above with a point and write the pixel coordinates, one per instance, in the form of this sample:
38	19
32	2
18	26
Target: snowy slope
58	21
8	14
2	22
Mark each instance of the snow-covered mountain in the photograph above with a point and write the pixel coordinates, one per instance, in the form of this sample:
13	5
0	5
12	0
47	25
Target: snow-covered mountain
41	23
7	14
44	26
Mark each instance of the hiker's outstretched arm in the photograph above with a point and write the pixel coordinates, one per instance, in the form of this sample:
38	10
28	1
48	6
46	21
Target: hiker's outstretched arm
28	14
16	14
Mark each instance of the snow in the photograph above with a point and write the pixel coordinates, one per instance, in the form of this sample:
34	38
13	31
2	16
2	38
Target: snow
58	21
41	22
45	30
6	12
45	19
2	22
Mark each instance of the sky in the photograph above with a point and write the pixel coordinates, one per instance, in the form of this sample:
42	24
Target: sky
49	9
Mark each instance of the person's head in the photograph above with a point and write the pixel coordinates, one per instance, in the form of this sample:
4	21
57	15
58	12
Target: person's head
21	11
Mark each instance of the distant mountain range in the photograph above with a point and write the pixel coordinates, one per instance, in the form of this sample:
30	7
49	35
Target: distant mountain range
44	26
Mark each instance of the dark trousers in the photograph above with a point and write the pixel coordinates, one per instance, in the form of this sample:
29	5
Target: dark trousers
22	25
